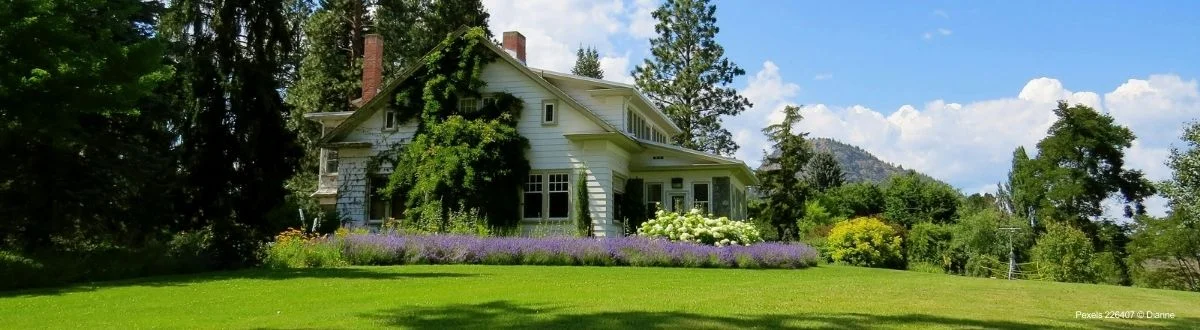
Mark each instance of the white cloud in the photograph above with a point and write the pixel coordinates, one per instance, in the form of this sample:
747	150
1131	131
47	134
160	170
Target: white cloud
823	76
944	31
555	29
940	32
941	13
970	144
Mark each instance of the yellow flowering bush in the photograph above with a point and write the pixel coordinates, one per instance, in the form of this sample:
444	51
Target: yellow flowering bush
294	248
695	227
866	242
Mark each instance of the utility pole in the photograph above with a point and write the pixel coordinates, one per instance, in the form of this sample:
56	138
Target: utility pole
1012	255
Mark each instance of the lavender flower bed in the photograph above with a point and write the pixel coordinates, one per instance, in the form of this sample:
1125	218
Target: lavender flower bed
395	249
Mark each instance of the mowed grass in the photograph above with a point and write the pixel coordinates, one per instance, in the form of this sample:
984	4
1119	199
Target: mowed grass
500	297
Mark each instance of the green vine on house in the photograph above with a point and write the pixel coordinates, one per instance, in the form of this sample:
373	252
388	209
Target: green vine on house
458	159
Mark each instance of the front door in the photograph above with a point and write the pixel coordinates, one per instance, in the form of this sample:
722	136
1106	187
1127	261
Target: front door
677	202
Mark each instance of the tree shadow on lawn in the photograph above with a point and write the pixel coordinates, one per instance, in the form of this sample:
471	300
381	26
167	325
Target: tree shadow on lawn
251	273
508	315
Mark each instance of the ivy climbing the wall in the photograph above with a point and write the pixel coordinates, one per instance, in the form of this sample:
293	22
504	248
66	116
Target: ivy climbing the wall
470	158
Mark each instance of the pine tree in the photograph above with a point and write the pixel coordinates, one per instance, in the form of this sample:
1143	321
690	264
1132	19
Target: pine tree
411	28
587	63
237	152
688	76
824	173
785	193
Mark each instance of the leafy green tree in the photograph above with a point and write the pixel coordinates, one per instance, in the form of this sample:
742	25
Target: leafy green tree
688	76
587	63
87	145
858	199
1064	254
410	28
236	149
1079	165
785	193
1165	252
823	172
909	199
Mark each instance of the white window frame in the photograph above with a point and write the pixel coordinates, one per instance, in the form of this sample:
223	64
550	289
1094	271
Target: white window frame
474	103
662	192
544	194
554	113
707	197
325	161
487	99
391	120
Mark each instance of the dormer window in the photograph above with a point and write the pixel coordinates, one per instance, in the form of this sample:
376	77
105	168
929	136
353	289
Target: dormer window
467	104
549	112
390	120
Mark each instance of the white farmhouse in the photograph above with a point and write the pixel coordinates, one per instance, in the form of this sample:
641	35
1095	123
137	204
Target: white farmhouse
572	122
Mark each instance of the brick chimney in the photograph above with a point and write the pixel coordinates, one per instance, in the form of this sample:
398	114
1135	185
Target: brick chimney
514	43
372	74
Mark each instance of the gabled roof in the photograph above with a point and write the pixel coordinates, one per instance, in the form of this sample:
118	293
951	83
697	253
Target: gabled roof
616	88
385	95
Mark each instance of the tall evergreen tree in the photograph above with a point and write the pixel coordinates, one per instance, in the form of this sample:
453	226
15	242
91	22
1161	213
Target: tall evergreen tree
824	173
785	193
688	75
237	152
87	155
587	63
411	28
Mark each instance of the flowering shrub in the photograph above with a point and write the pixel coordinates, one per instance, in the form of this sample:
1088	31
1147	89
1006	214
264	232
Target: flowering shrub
865	242
399	249
294	248
695	227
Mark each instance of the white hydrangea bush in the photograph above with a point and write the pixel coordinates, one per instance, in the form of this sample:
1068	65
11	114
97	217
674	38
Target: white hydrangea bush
696	227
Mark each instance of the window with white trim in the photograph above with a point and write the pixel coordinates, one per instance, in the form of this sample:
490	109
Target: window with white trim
654	196
549	112
546	197
488	101
638	126
390	119
467	104
700	197
381	207
329	163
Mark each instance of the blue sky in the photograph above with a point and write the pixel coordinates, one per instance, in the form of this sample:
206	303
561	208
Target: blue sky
949	88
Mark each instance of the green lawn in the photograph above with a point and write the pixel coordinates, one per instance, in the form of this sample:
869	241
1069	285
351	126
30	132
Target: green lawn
586	297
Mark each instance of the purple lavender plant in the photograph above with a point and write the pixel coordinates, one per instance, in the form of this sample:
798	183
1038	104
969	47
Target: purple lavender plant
397	249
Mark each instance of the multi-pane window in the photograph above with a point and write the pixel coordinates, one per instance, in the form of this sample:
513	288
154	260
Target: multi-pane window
558	186
654	197
467	104
533	197
330	164
637	125
549	112
380	206
547	196
488	101
390	119
700	197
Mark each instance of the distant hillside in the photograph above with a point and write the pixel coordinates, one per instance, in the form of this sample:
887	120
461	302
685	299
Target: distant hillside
858	164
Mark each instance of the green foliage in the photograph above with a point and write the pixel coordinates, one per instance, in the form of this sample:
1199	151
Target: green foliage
473	158
695	227
1064	254
930	244
926	267
410	28
236	151
582	216
785	193
866	242
185	252
83	131
587	63
1080	164
861	199
823	172
910	199
1165	252
294	249
689	78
